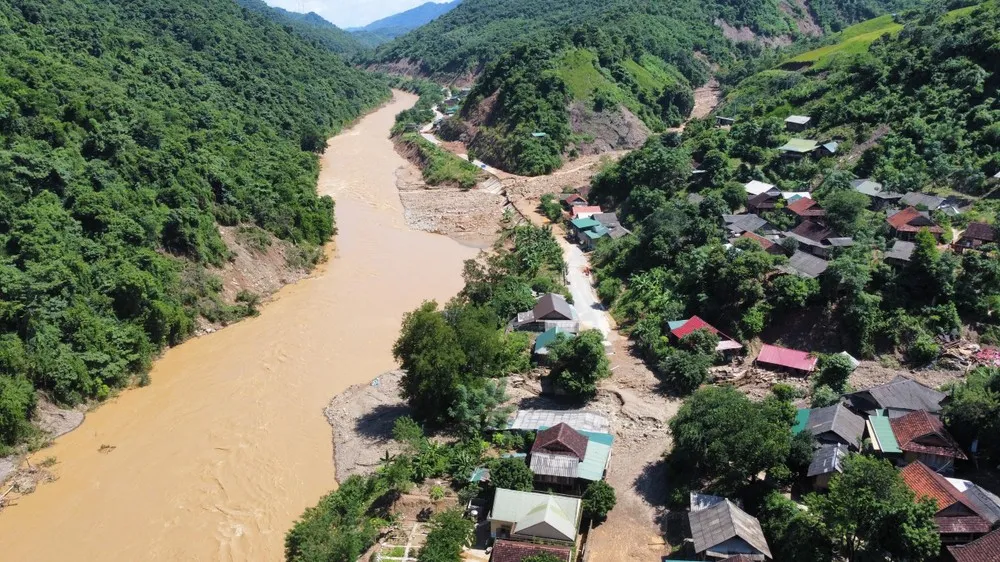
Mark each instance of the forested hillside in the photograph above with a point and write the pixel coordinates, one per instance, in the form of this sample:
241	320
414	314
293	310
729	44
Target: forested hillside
387	29
312	27
128	132
535	59
918	111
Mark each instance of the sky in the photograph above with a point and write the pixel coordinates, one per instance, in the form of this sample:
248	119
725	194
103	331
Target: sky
349	13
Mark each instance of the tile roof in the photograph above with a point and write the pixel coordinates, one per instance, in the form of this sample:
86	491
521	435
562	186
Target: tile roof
926	483
980	231
915	199
561	439
983	549
799	360
573	198
920	432
987	502
806	207
551	307
827	459
805	265
511	551
838	420
912	220
723	521
764	242
813	231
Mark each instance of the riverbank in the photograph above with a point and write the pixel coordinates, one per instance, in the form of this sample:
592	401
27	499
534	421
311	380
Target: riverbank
224	450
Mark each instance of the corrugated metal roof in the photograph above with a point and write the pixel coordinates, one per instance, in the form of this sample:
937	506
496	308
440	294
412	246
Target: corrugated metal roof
584	223
537	515
906	394
798	119
801	420
598	452
838	420
782	357
805	265
799	146
546	338
987	502
580	420
755	187
826	460
883	434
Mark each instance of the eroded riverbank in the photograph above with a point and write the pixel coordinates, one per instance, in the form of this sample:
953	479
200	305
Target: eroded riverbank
227	446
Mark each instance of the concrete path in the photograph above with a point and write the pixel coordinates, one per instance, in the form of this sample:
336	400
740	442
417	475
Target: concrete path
592	313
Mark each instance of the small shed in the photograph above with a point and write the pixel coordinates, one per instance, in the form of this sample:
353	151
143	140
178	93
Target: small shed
797	123
804	265
799	362
754	188
547	338
900	253
827	462
797	148
880	435
721	121
580	420
573	200
682	328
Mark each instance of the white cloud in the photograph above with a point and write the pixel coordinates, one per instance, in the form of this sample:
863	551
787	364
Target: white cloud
348	13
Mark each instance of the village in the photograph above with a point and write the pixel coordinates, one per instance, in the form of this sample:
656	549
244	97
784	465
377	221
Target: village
567	451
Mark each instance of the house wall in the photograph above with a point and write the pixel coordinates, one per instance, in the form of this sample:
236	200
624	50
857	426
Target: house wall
733	547
934	462
822	482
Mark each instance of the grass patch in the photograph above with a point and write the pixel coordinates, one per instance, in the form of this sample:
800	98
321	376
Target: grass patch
578	69
442	167
852	41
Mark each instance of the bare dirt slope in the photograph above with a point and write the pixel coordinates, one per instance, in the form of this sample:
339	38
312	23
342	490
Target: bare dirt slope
606	131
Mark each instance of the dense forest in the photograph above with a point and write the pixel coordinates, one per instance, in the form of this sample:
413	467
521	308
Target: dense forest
387	29
917	111
536	58
128	132
313	28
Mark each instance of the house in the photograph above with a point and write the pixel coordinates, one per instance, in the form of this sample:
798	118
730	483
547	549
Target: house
755	188
985	501
566	457
545	339
900	253
584	211
580	420
880	435
907	223
797	148
922	201
769	246
799	362
880	198
827	149
573	200
723	530
976	235
922	437
797	123
805	208
578	227
680	329
983	549
510	551
738	224
550	311
833	425
534	517
766	201
804	265
817	239
826	463
957	519
724	121
612	225
896	398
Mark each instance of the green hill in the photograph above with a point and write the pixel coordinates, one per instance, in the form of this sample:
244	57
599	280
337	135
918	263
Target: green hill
312	27
851	41
542	64
128	132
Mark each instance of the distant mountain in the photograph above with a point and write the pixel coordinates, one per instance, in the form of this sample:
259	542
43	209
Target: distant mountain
386	29
312	27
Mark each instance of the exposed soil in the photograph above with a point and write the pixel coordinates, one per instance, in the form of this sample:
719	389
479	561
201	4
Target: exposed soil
859	149
706	99
744	34
261	272
362	418
807	24
607	130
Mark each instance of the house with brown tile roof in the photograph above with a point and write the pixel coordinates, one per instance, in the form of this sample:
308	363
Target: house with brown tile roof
510	551
957	518
983	549
976	235
922	437
907	223
805	208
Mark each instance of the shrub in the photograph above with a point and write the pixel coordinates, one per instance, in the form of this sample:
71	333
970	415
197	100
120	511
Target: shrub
512	473
598	499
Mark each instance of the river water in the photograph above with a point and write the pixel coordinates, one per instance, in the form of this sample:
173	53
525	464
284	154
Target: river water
222	452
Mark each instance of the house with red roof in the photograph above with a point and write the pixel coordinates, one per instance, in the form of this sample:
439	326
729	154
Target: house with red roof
958	519
907	223
805	208
682	328
569	458
510	551
797	362
923	438
770	246
983	549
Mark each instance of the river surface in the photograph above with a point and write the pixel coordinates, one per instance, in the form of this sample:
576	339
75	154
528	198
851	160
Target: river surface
222	452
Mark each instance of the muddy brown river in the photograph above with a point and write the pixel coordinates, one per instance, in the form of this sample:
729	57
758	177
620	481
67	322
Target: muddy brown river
222	452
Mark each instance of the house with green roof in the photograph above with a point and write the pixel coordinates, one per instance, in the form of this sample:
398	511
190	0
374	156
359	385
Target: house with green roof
797	148
547	338
535	517
880	434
